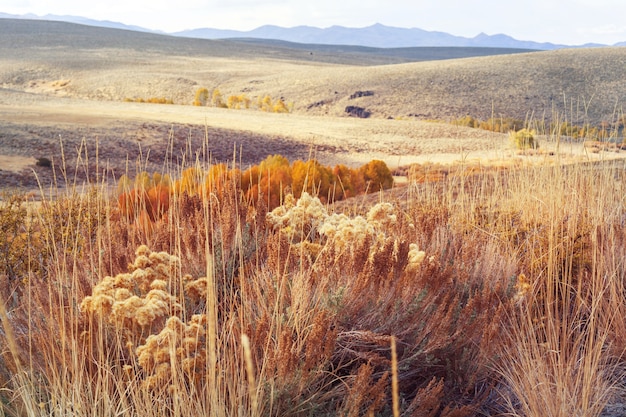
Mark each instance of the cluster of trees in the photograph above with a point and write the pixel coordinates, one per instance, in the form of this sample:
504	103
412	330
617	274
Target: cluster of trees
146	198
153	100
215	98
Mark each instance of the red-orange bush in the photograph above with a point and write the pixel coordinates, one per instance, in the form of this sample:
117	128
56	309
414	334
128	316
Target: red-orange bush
149	194
158	201
267	181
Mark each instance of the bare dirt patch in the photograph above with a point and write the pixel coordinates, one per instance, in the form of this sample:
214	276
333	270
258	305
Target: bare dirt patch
14	163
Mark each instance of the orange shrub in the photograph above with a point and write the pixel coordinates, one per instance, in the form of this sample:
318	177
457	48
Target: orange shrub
218	178
158	201
132	202
268	181
144	222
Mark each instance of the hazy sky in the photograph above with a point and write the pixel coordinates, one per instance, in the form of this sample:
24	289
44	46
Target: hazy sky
557	21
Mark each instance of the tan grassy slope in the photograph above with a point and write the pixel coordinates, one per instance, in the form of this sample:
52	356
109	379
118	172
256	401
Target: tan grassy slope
96	63
574	83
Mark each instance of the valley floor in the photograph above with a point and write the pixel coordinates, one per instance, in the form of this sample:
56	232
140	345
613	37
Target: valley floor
34	126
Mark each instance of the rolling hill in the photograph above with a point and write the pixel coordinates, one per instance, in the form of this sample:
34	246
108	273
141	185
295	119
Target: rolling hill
583	85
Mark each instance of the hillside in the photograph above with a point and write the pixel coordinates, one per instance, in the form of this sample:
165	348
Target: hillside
23	36
61	80
109	64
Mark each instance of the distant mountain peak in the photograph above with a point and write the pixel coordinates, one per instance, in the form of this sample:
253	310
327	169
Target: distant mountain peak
377	35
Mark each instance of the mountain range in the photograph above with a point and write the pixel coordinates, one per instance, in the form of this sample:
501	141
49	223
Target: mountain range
378	35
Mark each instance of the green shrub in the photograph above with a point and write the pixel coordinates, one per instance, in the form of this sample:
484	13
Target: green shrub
524	139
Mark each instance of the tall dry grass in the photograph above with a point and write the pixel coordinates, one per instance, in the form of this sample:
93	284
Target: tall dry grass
486	293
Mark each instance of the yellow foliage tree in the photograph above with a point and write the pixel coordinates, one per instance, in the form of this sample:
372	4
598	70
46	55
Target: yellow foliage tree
216	99
218	178
189	181
202	97
238	102
265	103
523	139
280	107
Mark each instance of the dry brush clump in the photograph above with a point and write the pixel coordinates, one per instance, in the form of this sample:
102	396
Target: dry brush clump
153	309
379	284
561	223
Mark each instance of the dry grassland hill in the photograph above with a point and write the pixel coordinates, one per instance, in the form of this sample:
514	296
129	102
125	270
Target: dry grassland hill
109	64
63	80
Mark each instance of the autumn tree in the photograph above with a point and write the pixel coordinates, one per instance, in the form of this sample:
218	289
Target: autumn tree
280	107
216	99
238	102
218	178
189	182
147	196
202	97
265	103
348	182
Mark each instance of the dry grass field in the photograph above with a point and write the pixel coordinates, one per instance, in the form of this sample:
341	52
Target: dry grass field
55	75
140	277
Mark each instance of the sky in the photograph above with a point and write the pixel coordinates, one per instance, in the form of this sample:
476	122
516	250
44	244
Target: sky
570	22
